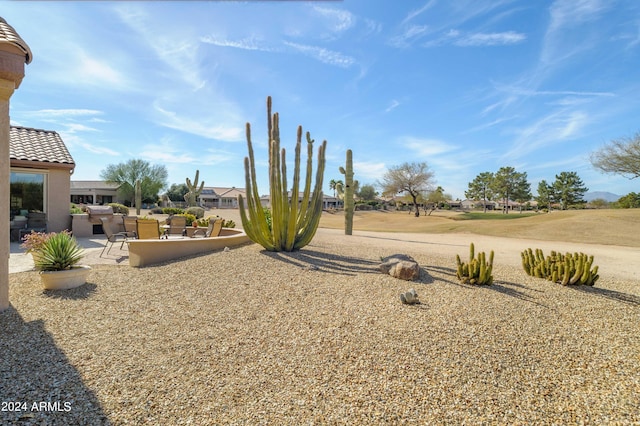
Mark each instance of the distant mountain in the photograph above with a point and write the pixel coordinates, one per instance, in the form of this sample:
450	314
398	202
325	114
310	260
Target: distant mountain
610	197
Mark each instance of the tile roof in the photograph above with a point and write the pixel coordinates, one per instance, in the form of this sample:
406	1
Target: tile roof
37	145
9	36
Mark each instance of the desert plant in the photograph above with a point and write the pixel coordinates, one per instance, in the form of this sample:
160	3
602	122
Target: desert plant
189	218
58	252
34	241
293	224
194	191
478	270
347	171
565	269
119	208
196	211
74	209
172	210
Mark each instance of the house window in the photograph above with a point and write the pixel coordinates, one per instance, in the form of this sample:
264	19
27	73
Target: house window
27	192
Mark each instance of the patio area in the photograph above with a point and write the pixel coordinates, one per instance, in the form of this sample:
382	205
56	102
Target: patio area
19	261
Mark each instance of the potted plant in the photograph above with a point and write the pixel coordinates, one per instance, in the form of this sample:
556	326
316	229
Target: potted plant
57	260
33	242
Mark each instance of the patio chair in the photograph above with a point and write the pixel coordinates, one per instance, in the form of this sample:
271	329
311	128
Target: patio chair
177	225
112	237
147	229
129	223
213	230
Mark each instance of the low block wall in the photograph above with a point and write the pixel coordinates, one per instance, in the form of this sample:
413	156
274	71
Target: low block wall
149	252
82	227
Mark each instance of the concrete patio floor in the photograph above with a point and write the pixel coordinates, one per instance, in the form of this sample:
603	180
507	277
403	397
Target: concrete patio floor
19	261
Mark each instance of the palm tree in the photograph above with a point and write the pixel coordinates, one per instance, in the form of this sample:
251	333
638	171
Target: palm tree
333	184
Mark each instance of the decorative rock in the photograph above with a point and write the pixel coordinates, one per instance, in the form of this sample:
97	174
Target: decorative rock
400	266
410	297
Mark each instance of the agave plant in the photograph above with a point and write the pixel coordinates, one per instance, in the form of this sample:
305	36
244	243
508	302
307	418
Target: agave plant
59	252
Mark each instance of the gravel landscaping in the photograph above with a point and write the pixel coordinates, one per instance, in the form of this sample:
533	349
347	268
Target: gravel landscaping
319	337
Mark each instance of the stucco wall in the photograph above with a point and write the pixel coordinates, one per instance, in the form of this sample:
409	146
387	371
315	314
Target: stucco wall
58	188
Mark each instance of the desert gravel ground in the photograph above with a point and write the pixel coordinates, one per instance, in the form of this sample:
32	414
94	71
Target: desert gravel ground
320	337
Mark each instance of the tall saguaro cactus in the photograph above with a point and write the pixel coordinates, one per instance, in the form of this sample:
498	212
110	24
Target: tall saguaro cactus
293	224
194	191
138	191
348	193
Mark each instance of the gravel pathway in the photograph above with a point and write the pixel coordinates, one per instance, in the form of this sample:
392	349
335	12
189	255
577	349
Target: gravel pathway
319	337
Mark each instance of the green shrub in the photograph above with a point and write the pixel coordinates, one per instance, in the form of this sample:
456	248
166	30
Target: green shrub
565	269
196	211
119	208
204	222
190	218
75	209
172	210
478	270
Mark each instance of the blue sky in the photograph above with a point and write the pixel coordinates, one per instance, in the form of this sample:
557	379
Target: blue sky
465	85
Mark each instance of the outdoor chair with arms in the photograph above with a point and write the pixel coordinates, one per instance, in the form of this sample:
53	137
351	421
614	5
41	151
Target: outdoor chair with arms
112	237
177	226
129	223
213	230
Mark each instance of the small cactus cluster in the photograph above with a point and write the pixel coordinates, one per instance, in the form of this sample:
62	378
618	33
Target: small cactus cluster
478	270
565	269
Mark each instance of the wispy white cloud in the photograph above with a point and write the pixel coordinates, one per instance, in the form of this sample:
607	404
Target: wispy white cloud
561	39
201	125
339	20
101	150
416	12
248	43
490	124
369	170
491	39
424	147
44	113
408	36
177	47
394	104
323	55
554	128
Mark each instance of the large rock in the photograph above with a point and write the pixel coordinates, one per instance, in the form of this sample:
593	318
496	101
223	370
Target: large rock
400	266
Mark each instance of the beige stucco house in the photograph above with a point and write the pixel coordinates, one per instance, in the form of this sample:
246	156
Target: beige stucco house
41	168
94	192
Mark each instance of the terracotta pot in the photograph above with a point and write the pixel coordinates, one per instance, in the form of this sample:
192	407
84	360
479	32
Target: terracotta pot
66	279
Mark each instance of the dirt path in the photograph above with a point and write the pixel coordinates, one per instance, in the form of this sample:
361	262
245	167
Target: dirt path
614	261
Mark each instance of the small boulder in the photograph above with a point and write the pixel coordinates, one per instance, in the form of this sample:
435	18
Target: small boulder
410	297
400	266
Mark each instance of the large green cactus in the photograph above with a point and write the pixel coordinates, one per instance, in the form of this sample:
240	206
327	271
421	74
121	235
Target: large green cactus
194	192
348	193
565	269
138	195
293	224
478	270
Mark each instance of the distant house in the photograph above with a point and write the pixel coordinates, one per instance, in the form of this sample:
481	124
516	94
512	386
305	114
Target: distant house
328	202
41	168
94	192
221	197
478	204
